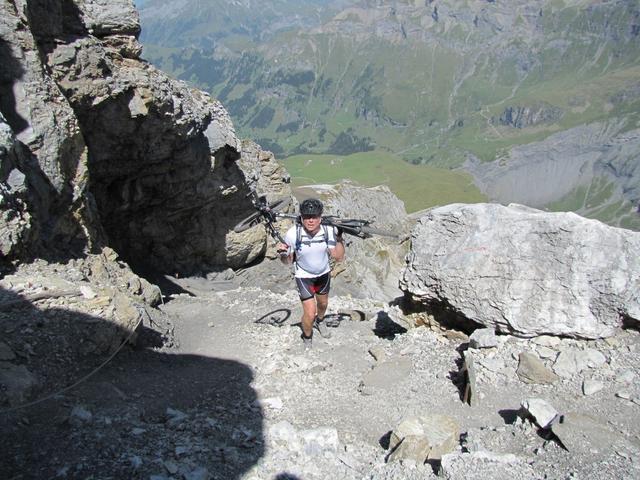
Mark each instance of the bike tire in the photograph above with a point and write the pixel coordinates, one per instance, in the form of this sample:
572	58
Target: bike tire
375	231
256	217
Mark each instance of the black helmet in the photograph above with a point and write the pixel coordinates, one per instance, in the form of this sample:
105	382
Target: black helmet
311	206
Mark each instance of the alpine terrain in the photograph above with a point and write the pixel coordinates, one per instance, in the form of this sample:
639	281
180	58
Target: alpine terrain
143	336
538	100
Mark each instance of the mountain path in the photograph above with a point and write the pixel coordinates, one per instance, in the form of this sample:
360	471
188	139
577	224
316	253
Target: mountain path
236	397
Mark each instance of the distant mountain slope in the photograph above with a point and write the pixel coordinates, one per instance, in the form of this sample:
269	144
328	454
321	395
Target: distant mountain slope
433	81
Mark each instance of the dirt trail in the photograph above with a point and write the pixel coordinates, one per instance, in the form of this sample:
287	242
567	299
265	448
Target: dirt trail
237	397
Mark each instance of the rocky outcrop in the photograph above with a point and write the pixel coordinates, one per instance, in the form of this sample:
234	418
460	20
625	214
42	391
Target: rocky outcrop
105	162
528	116
15	224
114	152
47	162
526	272
62	319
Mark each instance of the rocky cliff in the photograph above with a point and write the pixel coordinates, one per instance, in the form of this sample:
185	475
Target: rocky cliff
105	164
100	148
591	169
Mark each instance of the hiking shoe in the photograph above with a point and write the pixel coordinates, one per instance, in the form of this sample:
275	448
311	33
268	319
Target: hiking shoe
321	326
307	343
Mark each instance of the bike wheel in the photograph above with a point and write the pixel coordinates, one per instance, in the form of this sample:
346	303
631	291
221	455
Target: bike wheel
256	217
374	231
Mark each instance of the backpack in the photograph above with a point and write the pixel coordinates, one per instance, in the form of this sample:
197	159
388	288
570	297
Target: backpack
299	235
298	245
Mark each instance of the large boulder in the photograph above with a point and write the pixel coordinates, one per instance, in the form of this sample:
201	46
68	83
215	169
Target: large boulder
524	271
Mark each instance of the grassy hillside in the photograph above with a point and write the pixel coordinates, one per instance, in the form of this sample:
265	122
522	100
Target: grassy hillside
598	200
431	83
418	187
428	84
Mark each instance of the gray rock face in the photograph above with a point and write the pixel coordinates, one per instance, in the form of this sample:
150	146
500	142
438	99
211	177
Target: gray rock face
483	338
48	151
427	437
524	271
109	17
521	117
532	370
543	412
15	220
543	172
17	383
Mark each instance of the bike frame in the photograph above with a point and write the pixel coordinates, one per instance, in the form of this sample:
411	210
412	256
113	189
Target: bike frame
268	216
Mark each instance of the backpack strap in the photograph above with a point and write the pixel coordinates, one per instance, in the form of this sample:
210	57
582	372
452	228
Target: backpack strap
298	245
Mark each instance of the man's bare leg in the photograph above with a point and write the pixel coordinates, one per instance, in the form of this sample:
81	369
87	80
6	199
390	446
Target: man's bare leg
322	301
308	316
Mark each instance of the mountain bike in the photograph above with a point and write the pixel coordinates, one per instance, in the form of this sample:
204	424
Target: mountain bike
268	214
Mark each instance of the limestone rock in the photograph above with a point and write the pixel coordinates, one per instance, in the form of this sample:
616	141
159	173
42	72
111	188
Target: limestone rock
320	440
102	17
483	338
626	376
469	371
572	361
6	353
543	413
113	151
313	442
589	387
80	415
532	370
428	437
377	352
524	271
412	447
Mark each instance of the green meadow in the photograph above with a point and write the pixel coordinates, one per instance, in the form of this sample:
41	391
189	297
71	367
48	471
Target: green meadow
418	186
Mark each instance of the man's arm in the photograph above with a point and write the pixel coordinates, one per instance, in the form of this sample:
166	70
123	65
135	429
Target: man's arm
286	258
285	250
337	252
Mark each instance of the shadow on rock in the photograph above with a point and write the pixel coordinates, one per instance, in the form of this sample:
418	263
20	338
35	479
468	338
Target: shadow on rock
144	413
458	377
386	327
509	415
286	476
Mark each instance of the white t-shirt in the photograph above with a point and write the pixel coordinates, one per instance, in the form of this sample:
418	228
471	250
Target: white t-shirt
312	255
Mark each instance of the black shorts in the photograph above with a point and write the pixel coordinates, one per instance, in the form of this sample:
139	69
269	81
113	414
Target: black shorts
308	287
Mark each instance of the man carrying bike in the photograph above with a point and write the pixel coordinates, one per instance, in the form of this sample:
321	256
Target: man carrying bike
309	246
